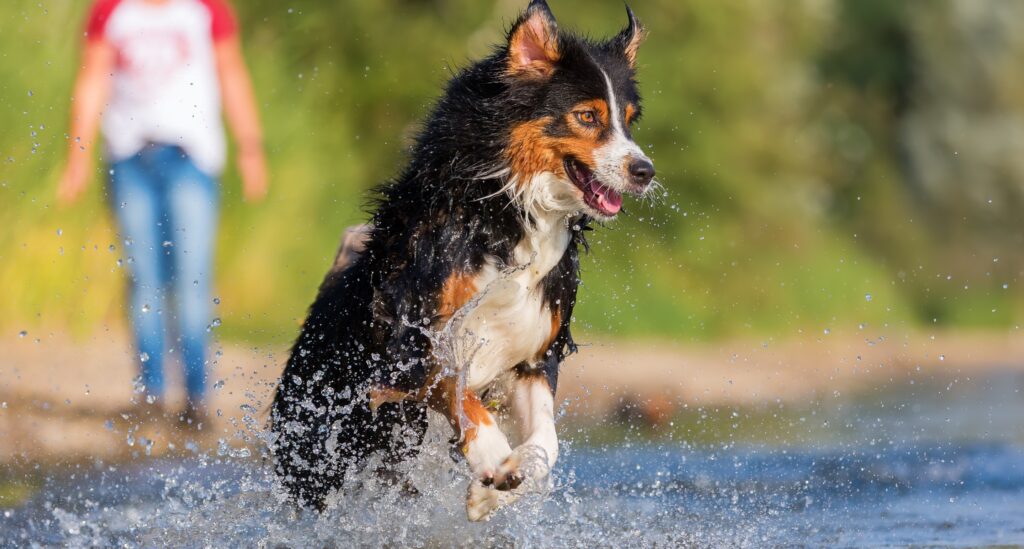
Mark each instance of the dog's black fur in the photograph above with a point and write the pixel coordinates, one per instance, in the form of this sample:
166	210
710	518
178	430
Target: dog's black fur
446	213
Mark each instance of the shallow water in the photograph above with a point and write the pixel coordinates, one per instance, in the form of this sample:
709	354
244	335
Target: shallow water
932	464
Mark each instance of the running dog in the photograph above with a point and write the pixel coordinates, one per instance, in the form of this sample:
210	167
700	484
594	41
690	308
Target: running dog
462	296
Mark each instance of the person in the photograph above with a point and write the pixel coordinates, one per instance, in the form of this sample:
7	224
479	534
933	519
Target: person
154	77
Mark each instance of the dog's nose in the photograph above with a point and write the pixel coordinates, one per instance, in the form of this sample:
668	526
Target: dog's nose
641	171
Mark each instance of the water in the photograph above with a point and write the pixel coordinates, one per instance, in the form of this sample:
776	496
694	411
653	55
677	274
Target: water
928	464
650	496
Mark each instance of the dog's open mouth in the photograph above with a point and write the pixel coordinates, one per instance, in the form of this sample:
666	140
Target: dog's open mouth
597	196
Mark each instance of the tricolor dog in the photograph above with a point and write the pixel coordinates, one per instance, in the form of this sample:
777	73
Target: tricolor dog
462	297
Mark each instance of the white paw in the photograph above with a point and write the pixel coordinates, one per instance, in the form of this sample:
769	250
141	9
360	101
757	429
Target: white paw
528	463
525	470
482	500
487	451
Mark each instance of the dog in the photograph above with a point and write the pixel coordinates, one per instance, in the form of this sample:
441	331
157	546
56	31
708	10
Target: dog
460	294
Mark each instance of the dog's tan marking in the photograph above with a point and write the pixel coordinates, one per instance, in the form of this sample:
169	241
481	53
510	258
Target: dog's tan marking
384	395
531	151
630	113
464	410
483	443
456	292
556	325
477	415
599	106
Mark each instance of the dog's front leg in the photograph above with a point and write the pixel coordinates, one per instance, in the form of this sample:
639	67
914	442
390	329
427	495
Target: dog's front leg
533	410
481	441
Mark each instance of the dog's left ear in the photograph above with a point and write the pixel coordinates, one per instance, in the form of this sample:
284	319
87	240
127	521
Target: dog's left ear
533	42
630	38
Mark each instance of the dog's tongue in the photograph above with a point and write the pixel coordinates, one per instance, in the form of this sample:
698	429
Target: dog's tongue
608	200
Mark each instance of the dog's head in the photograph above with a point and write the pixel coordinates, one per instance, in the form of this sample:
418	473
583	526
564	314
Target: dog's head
574	152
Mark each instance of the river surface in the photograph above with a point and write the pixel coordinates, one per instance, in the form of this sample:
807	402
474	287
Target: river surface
928	465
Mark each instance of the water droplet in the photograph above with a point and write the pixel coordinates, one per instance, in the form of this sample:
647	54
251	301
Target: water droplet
827	331
60	232
867	297
145	308
216	301
22	333
942	357
144	357
219	384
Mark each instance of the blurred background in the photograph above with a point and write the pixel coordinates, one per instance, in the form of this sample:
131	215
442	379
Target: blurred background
814	153
841	224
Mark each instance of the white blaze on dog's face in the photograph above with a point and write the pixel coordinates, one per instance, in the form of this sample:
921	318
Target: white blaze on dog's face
575	151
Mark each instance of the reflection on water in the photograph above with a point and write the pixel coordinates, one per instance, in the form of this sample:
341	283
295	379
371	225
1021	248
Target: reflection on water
933	462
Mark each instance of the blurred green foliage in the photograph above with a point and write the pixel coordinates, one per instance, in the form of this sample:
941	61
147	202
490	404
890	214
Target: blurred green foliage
775	126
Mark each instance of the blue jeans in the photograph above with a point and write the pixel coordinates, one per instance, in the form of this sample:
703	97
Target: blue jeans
166	210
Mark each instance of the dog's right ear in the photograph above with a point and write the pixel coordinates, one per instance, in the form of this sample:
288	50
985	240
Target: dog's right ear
630	38
533	42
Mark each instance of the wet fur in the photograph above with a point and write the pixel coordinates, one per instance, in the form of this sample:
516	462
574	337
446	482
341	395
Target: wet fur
448	213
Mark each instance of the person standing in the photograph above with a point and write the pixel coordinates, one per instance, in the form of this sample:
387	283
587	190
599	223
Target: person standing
155	75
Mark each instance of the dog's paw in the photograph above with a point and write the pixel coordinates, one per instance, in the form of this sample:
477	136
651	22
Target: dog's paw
482	500
507	476
486	452
525	470
527	463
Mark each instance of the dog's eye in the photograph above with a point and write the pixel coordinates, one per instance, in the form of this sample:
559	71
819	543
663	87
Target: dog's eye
587	118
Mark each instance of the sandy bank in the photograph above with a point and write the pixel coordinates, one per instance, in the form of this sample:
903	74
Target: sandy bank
63	399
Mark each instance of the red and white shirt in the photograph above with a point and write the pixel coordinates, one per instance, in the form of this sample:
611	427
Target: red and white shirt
165	87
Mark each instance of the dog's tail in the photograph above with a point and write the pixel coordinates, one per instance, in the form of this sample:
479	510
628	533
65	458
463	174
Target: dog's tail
353	242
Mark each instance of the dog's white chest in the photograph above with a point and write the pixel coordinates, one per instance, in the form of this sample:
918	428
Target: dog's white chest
508	321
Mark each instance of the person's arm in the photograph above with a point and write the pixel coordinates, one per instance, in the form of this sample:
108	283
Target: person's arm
243	119
92	88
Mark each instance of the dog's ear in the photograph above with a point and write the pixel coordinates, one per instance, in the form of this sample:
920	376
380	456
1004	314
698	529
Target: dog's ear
533	42
630	38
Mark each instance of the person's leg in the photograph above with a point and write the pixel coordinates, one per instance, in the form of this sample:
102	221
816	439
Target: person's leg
136	203
192	198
